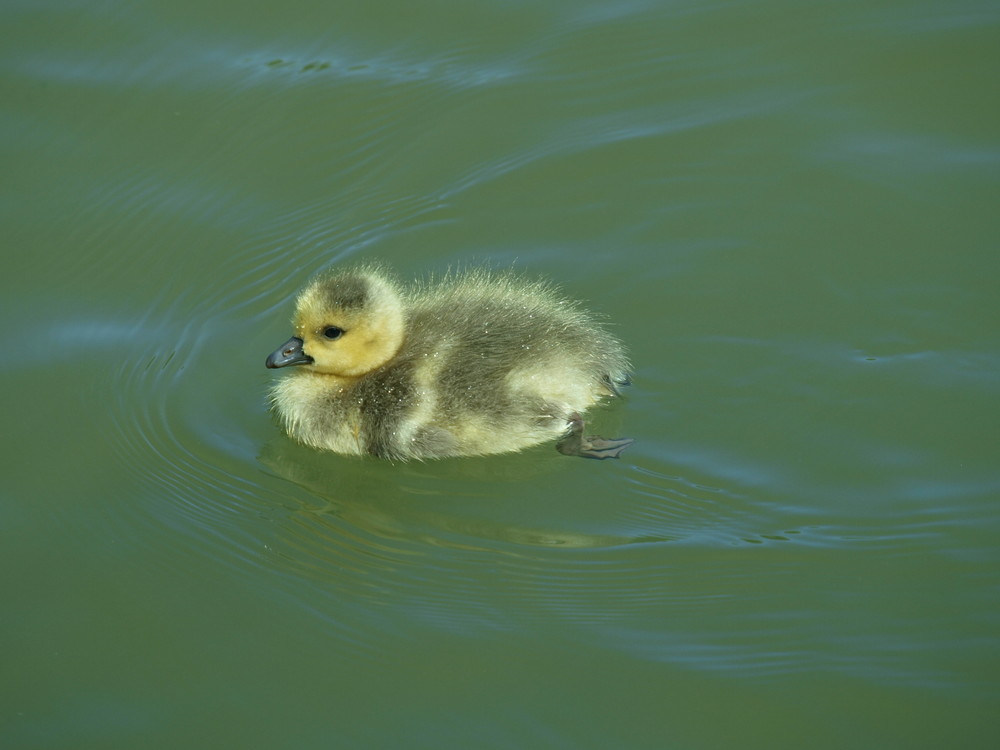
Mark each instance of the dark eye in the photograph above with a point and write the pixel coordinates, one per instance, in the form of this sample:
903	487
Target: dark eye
332	332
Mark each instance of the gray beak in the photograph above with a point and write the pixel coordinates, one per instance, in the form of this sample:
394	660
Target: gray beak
289	353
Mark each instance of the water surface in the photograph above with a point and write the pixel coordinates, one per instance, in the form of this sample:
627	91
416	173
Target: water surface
789	213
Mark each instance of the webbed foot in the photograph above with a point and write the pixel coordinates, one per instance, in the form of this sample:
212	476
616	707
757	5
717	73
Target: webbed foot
573	443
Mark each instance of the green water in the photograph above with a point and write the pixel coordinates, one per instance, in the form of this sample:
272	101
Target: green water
789	211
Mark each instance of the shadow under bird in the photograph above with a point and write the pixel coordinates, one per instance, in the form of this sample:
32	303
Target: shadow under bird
473	363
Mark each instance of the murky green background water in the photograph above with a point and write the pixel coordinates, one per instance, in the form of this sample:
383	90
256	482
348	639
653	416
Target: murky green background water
790	210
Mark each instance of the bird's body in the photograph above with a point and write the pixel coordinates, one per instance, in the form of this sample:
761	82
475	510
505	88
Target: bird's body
474	363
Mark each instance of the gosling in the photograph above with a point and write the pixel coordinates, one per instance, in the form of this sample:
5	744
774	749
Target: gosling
474	363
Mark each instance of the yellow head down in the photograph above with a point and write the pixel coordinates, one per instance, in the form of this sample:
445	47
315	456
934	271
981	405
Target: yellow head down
349	324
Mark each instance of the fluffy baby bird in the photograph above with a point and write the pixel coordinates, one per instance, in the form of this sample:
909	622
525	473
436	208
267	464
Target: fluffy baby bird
474	363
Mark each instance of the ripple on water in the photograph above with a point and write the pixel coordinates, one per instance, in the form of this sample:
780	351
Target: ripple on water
469	545
533	540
